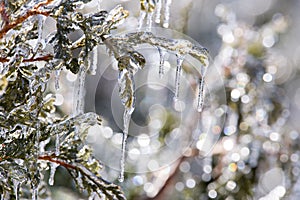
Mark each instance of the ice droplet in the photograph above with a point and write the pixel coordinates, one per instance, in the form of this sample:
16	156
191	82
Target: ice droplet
57	151
126	120
16	188
180	59
161	61
200	95
57	74
53	167
166	13
94	61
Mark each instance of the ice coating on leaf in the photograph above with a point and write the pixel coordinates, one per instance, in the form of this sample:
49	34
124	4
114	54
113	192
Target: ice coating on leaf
161	61
117	15
126	89
57	74
180	59
177	46
128	65
94	61
200	95
167	5
180	47
53	167
126	121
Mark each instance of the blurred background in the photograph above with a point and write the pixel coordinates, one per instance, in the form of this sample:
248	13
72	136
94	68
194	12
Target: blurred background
245	143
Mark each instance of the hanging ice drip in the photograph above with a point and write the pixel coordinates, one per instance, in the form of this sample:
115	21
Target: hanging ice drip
130	61
154	9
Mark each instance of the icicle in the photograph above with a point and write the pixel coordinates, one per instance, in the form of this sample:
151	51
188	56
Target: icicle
57	74
53	167
167	13
16	188
149	21
57	151
94	61
180	59
99	5
80	92
126	120
161	61
158	10
200	95
35	193
41	19
142	18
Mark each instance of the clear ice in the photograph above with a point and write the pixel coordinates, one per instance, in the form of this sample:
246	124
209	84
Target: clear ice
180	59
53	167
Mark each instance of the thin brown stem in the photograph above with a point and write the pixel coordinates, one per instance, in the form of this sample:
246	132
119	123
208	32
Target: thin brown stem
42	58
55	160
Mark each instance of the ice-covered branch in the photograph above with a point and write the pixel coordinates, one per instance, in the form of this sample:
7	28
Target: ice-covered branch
21	19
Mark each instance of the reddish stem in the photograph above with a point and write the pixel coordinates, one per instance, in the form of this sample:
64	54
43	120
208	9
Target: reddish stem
55	160
3	12
21	19
42	58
